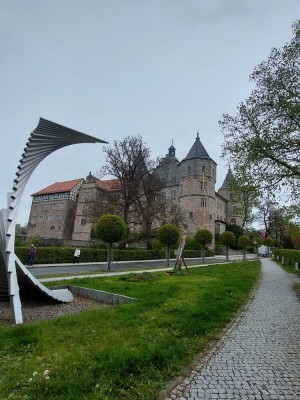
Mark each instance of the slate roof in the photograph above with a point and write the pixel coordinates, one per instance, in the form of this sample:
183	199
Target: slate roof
58	187
227	180
197	150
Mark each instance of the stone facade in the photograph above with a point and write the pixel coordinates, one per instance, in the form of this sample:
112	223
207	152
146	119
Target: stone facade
53	211
62	210
190	184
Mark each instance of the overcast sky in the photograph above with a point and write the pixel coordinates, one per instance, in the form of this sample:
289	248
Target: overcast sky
160	68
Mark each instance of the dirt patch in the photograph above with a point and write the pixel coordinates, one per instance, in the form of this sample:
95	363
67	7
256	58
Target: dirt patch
36	310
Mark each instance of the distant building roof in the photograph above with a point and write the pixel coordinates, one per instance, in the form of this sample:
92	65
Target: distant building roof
197	150
229	177
58	187
109	185
63	187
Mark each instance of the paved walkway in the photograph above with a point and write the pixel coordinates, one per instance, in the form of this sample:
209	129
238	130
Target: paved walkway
259	357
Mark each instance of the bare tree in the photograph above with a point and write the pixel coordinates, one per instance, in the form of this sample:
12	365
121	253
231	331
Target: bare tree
129	161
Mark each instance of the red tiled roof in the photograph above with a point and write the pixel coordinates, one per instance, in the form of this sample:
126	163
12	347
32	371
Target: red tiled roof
109	185
58	187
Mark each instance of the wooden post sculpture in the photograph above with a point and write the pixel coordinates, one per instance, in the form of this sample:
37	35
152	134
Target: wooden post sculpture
179	259
15	279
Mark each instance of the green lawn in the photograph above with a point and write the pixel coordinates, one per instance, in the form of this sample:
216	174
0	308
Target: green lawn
288	268
126	351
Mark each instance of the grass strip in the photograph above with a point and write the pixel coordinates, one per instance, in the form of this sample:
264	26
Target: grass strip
127	351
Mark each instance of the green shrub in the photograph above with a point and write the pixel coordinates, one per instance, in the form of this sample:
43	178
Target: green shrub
61	255
110	228
290	256
168	234
191	244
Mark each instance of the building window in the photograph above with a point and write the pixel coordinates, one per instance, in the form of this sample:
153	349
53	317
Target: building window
50	217
83	221
34	218
218	217
210	216
189	170
233	221
203	168
218	205
52	228
202	186
191	214
41	217
173	194
203	202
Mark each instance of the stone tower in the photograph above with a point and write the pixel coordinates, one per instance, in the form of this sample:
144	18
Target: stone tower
197	179
233	201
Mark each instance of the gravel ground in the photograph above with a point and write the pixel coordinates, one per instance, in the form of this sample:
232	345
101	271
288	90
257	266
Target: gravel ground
33	311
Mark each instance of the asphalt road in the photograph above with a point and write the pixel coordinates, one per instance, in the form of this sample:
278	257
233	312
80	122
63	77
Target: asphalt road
57	269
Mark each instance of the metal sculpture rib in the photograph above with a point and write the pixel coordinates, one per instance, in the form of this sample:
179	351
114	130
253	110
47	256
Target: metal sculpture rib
44	140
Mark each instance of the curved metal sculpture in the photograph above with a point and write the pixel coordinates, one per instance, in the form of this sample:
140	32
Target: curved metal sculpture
14	276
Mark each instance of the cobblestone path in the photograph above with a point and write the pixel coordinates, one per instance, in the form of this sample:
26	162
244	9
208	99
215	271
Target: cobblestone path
259	356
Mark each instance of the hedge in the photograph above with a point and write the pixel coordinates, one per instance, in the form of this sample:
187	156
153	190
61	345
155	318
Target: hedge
53	255
290	256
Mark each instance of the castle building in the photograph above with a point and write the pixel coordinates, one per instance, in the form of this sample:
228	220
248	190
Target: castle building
53	210
190	184
63	210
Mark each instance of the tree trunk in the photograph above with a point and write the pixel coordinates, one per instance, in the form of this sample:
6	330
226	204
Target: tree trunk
227	253
109	257
203	254
244	252
167	256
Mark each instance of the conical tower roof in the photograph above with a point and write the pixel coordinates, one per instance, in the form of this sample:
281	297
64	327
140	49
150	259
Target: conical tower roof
229	177
197	150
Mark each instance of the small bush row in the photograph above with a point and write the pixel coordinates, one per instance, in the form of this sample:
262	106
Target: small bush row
290	256
53	255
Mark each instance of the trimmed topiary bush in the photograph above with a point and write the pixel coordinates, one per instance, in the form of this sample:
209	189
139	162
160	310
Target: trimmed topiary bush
168	235
204	237
243	242
110	229
228	239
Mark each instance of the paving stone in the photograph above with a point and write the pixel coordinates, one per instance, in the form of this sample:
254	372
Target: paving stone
259	357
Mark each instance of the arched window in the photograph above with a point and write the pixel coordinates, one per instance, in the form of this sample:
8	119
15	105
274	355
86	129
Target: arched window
52	228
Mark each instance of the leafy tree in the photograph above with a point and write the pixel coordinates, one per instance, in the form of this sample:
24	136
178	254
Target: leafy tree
256	241
266	207
110	229
268	241
262	139
275	220
243	197
204	237
244	241
168	235
235	229
227	239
